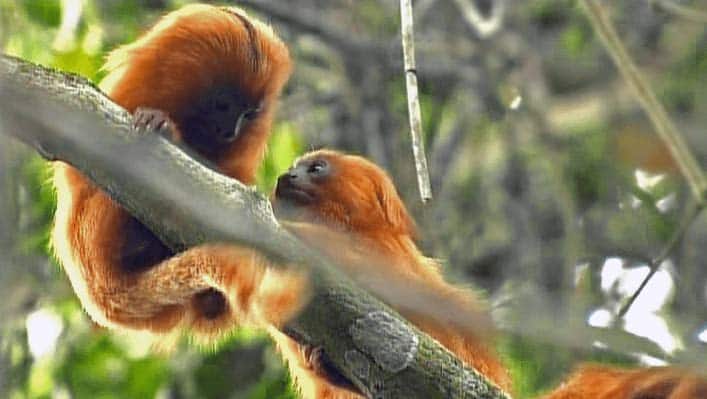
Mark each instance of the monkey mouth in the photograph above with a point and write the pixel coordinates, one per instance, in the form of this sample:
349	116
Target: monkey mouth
292	194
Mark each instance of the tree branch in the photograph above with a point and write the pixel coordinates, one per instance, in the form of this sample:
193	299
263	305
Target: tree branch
693	211
682	11
664	126
360	49
418	144
67	118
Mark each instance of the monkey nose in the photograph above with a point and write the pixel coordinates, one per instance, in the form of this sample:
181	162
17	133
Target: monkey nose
287	179
293	174
283	180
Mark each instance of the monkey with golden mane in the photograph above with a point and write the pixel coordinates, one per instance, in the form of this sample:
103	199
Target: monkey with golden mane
329	198
606	382
349	195
209	77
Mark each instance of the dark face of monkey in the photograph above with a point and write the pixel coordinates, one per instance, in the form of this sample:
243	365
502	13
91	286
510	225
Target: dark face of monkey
217	119
342	191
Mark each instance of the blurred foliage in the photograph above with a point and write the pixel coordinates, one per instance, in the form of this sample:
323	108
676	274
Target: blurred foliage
689	70
100	369
539	161
284	146
37	220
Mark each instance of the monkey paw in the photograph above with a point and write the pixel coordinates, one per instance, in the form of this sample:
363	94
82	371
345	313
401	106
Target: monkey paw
146	120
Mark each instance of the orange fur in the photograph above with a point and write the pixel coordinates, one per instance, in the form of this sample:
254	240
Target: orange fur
362	224
126	279
603	382
123	275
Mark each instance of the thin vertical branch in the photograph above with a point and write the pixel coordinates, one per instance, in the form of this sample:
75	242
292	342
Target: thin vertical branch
418	145
656	112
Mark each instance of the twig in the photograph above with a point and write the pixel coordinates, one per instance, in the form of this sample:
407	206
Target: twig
359	50
690	215
647	98
418	145
682	11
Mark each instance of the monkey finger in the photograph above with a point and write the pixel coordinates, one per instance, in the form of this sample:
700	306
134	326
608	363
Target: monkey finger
147	120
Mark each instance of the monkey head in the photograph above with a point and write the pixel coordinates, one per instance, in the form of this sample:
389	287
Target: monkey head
345	192
216	72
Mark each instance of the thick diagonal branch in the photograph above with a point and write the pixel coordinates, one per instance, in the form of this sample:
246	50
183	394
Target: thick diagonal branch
66	118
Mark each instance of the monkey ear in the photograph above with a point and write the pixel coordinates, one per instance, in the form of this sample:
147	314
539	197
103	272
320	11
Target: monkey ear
394	209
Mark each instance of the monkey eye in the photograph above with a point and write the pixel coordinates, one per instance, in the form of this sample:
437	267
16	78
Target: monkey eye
317	167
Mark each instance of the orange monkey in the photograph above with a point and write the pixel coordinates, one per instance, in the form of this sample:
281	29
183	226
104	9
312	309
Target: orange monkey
214	74
351	196
331	198
602	382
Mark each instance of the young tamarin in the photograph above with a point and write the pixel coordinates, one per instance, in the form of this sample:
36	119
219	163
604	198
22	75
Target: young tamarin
356	203
214	74
329	198
604	382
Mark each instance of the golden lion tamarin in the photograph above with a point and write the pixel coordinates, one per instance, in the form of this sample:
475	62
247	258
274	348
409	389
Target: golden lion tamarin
603	382
349	195
357	204
210	77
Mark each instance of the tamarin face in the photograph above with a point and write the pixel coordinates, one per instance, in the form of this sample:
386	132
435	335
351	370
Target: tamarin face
343	191
218	118
224	111
216	72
